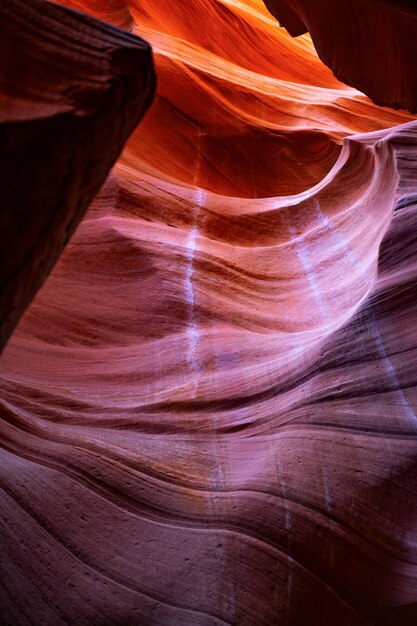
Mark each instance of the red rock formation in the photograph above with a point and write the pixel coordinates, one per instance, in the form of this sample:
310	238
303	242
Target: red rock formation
370	44
67	105
261	100
209	409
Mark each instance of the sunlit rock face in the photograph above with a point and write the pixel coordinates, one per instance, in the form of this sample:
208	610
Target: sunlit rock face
72	89
210	408
242	109
370	44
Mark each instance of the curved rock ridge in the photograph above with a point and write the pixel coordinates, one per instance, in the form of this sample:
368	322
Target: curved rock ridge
209	410
72	89
382	60
241	108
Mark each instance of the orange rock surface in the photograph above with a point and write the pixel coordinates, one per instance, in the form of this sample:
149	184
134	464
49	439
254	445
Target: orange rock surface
210	407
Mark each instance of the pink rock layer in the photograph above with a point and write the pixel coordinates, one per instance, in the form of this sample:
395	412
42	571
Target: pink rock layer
209	410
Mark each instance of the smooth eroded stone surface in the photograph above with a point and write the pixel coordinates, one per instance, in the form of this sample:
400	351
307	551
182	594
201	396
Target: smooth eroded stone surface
370	44
209	410
212	421
72	89
242	109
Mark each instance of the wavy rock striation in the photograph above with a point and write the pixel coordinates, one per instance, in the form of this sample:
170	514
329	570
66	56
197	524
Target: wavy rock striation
246	112
72	90
370	44
209	410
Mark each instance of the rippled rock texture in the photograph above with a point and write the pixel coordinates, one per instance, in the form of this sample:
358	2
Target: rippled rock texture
370	44
72	90
209	410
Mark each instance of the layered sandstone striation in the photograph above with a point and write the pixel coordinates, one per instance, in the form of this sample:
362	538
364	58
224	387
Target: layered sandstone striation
72	89
369	44
209	409
242	109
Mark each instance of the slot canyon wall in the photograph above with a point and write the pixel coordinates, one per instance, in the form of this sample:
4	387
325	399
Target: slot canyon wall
369	44
209	411
72	89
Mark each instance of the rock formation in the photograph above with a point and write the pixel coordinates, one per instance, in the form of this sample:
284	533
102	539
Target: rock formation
370	44
209	409
72	89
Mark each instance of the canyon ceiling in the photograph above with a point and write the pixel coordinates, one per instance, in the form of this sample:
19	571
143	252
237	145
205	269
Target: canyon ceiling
209	408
